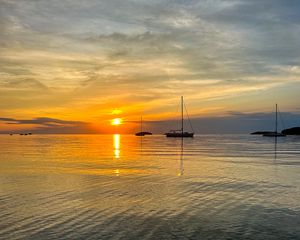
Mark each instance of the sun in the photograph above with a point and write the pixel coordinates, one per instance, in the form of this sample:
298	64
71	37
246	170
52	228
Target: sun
116	121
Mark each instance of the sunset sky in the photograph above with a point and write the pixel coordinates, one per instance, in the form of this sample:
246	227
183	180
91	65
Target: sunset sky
72	66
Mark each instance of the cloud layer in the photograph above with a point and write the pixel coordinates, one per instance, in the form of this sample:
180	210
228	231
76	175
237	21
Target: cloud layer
81	59
48	125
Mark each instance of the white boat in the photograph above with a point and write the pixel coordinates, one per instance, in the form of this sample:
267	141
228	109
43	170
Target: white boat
180	133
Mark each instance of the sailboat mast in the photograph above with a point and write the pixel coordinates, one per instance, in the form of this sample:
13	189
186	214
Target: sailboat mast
141	124
276	120
181	114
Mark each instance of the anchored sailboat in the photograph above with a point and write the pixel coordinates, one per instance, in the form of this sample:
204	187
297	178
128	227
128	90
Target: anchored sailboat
180	133
274	134
141	133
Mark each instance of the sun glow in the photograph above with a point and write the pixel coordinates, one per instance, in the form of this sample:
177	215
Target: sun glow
116	111
116	121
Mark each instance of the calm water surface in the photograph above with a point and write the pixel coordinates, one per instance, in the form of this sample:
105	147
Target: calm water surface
119	187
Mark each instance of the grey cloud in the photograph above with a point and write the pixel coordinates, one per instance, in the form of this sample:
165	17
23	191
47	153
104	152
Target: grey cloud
260	12
270	29
106	46
208	46
141	46
41	121
27	83
8	119
46	125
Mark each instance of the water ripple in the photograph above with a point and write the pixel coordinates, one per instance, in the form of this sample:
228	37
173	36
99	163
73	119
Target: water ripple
215	187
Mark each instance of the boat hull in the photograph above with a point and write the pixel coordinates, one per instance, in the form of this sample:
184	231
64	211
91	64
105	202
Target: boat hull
140	134
274	135
180	135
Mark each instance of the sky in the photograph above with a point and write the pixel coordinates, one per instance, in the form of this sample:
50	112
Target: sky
71	66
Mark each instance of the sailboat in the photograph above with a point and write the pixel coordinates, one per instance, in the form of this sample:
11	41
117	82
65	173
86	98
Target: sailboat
180	133
141	133
274	134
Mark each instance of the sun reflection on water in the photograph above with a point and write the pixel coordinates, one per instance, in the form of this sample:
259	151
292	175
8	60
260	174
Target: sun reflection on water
117	172
116	139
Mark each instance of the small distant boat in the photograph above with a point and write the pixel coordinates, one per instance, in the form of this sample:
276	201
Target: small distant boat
274	134
180	133
142	133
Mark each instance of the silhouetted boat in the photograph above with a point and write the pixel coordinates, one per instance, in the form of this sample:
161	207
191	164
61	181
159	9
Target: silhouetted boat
274	134
142	133
180	133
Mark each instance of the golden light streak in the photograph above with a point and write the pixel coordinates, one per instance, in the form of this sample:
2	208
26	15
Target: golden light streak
116	139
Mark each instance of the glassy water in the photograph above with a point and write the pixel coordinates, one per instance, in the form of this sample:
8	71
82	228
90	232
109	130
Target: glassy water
128	187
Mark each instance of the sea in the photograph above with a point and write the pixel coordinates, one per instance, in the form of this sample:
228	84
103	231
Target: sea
152	187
